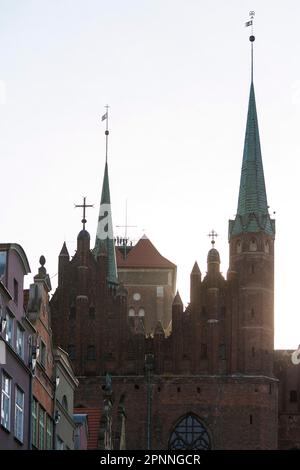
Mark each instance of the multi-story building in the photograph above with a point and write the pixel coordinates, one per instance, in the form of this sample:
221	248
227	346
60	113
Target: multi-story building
16	338
66	384
43	386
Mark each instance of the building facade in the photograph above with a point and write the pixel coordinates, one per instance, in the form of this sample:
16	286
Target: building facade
43	384
66	383
210	383
15	336
150	281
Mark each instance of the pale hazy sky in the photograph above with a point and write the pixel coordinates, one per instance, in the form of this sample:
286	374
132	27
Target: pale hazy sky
176	75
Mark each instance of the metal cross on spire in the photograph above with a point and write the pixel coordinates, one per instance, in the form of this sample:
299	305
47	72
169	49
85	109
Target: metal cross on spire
251	38
212	235
84	206
105	117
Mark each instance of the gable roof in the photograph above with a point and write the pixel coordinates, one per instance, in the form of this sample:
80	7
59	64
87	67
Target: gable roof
143	255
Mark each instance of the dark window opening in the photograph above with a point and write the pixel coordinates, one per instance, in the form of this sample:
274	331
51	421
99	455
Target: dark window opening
16	291
178	389
252	312
203	351
203	311
43	354
92	312
252	268
251	420
223	312
65	402
72	311
137	387
198	390
71	352
293	396
222	351
270	389
91	353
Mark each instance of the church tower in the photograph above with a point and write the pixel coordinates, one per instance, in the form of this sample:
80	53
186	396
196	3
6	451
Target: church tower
251	240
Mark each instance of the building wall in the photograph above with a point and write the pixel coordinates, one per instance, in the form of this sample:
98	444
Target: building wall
64	406
20	377
151	290
16	367
289	400
223	405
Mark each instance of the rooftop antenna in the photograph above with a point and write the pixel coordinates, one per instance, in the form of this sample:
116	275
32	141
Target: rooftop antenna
126	226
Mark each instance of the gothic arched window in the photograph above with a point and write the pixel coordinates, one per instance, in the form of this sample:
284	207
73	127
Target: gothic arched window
190	434
239	246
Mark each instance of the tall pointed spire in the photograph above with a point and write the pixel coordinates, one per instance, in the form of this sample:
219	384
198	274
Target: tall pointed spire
104	235
252	212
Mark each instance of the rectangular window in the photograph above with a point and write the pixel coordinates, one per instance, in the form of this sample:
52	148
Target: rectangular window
20	341
72	352
9	329
16	291
203	351
35	423
222	351
49	434
5	401
19	414
91	353
42	414
43	353
2	265
160	291
293	396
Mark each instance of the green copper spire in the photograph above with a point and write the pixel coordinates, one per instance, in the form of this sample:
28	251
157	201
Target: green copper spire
252	212
104	237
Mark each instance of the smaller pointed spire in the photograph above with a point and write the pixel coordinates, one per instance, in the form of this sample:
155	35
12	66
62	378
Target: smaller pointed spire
177	299
104	236
196	269
64	250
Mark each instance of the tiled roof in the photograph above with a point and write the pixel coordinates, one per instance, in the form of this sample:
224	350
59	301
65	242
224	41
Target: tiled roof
94	415
143	255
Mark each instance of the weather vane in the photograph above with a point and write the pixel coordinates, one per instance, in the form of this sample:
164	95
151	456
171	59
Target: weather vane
251	38
105	118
